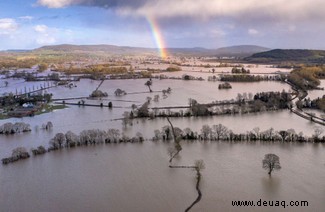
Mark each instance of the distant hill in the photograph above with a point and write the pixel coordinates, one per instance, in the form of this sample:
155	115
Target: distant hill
288	55
241	50
233	51
16	50
110	49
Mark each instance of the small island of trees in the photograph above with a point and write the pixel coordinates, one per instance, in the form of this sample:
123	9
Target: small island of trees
225	85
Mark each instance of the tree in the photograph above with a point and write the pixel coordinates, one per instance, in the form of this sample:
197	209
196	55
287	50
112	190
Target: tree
271	162
317	132
42	67
284	134
149	83
119	92
17	152
199	165
220	130
59	138
126	119
98	93
71	139
206	131
143	111
134	106
156	98
148	98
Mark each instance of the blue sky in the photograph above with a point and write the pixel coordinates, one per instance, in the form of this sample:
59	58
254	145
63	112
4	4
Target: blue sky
26	24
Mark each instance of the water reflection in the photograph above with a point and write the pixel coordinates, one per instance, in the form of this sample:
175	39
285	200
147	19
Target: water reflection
271	185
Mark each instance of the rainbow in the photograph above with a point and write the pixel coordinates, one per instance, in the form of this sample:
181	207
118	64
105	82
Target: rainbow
158	37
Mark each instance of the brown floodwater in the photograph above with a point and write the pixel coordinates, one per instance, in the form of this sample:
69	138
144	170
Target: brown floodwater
136	177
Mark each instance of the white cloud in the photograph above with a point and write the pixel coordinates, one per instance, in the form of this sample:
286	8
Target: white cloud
262	11
26	18
41	28
8	25
253	31
57	3
45	34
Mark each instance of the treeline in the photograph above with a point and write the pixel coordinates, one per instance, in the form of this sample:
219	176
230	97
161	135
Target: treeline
99	69
173	68
220	132
8	61
318	103
225	85
71	140
12	100
18	127
242	70
264	101
240	78
19	153
183	77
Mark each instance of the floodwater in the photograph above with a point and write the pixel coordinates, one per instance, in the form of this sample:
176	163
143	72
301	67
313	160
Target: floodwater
136	177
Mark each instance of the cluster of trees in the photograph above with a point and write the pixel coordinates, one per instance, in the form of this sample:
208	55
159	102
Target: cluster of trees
306	78
220	132
98	93
18	153
91	137
99	69
225	85
39	150
264	101
42	67
241	78
242	70
119	92
318	103
70	140
189	77
213	78
47	126
8	61
184	77
173	68
18	127
279	100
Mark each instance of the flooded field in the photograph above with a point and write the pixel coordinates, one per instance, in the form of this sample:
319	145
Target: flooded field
136	177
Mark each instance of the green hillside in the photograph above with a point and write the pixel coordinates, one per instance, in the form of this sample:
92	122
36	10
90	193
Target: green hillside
288	55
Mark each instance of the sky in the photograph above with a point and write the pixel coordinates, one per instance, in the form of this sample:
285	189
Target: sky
28	24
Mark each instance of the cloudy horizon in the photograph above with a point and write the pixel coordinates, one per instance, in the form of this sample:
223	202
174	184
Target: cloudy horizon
211	24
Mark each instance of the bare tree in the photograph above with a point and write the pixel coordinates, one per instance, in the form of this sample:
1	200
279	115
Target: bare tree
59	138
220	131
177	139
284	134
126	119
317	132
206	131
71	139
156	98
199	165
271	162
149	83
